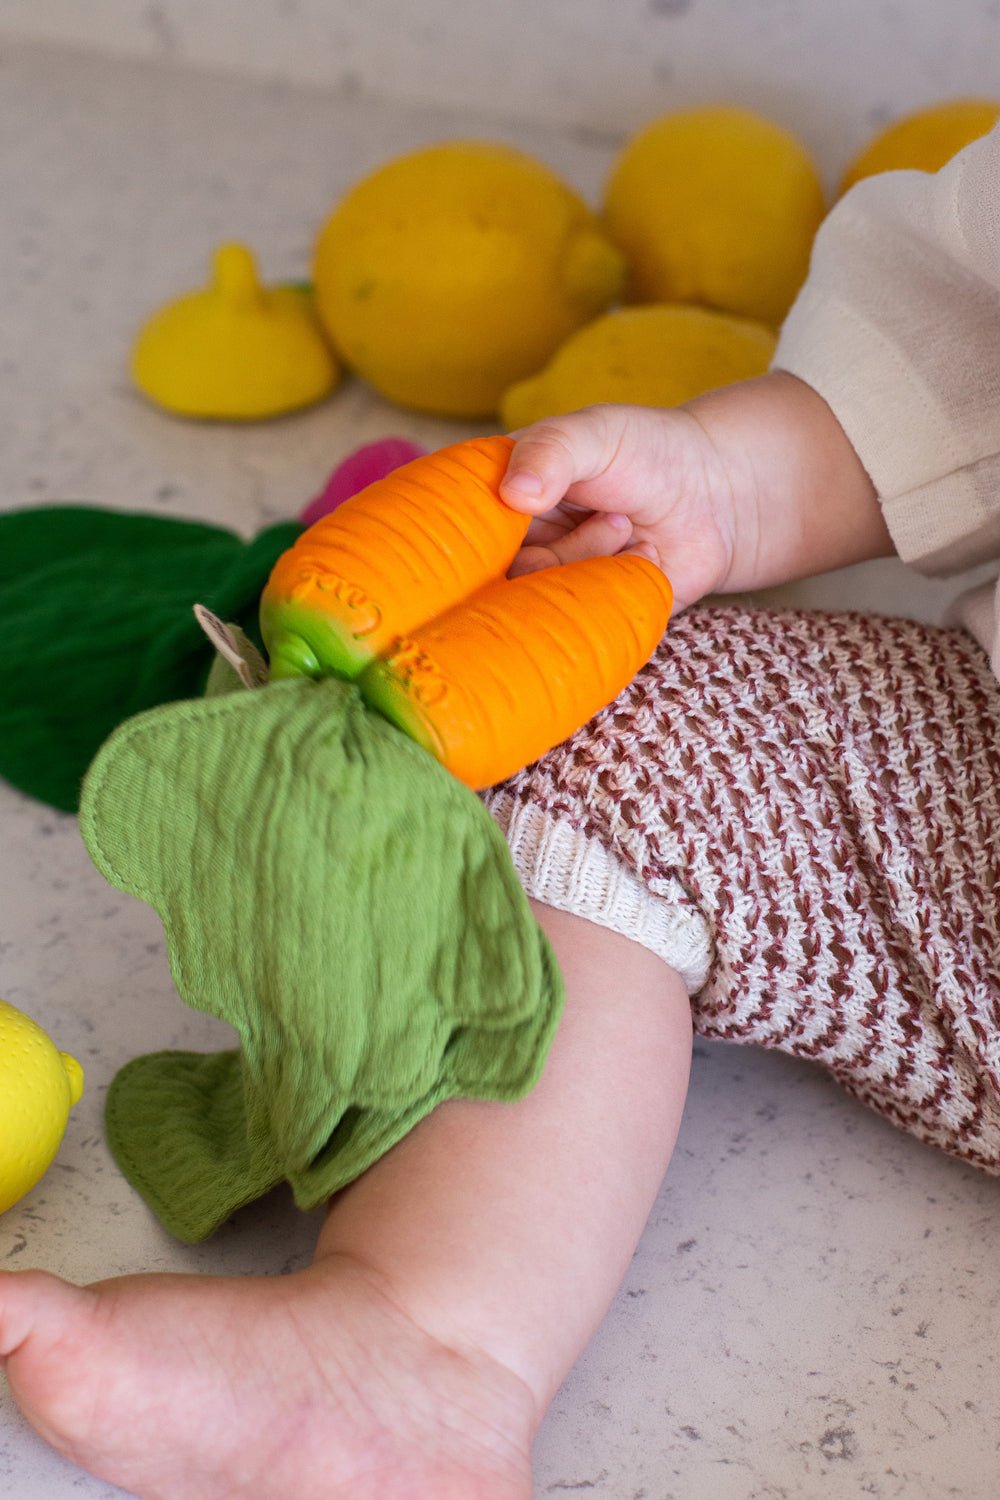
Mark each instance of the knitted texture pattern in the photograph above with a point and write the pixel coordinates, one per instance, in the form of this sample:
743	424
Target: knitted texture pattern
826	790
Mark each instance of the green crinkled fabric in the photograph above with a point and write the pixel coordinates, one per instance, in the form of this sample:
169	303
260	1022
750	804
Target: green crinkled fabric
96	625
344	903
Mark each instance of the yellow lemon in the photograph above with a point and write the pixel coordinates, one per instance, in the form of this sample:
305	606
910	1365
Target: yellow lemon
235	351
652	356
716	206
451	272
925	140
38	1087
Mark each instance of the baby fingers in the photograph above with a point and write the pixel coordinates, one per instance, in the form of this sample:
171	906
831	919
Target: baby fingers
564	538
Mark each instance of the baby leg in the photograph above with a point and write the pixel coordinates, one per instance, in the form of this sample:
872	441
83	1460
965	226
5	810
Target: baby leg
452	1289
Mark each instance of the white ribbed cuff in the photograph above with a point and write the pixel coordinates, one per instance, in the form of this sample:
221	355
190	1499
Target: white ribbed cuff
564	868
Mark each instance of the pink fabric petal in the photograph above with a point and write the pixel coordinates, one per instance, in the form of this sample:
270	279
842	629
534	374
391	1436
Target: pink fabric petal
359	469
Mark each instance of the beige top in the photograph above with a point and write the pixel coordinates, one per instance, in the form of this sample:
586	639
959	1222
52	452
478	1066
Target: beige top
898	328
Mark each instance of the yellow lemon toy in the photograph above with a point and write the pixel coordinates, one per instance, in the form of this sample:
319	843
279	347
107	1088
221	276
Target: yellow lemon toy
716	206
38	1087
451	272
652	356
925	140
235	351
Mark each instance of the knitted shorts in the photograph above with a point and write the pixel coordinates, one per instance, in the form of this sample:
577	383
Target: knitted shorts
801	813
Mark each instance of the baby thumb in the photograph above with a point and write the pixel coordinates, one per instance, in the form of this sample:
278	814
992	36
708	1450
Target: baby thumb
548	458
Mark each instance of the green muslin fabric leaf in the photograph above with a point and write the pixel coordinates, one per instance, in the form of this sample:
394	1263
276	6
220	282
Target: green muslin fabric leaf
347	906
96	625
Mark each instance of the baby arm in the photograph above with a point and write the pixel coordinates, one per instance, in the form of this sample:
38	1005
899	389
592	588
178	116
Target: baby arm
884	405
751	485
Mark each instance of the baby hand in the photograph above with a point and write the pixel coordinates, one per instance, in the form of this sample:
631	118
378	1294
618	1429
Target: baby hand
624	478
748	486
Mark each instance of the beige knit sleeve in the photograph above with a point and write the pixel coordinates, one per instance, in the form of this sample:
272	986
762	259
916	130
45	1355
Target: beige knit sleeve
898	328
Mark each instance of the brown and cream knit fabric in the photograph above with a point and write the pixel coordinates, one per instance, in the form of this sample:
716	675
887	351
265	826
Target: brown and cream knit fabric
812	803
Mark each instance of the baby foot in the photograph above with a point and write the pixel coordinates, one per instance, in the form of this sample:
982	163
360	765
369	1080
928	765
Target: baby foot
313	1386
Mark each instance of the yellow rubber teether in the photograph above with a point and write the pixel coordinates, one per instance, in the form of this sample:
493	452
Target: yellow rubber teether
38	1087
236	350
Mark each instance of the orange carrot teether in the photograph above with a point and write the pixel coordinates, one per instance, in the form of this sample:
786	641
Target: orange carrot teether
517	668
404	589
405	549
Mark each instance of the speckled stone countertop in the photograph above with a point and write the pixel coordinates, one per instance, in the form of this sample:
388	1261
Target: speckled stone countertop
813	1309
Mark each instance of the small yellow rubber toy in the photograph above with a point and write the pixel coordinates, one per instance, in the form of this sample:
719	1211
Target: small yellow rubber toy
236	350
38	1087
